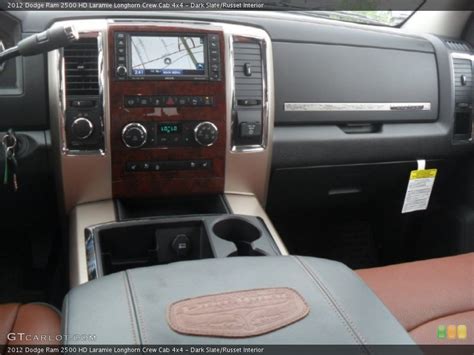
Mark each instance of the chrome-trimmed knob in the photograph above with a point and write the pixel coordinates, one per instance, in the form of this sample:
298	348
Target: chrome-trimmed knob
121	70
206	133
142	135
82	128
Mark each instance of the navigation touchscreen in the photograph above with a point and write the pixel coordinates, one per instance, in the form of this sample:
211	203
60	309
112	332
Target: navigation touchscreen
168	56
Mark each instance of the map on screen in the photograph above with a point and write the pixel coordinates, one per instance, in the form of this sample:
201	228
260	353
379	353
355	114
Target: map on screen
167	55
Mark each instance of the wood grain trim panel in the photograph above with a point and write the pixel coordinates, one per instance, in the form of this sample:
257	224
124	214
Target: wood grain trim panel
166	183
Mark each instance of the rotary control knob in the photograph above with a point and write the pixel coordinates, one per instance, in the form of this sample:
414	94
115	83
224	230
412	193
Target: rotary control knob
205	133
134	135
82	128
121	70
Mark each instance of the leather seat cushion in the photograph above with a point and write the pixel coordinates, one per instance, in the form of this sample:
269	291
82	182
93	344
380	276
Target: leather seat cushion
40	323
425	294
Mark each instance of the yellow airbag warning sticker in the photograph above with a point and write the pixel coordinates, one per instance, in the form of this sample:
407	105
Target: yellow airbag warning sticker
419	190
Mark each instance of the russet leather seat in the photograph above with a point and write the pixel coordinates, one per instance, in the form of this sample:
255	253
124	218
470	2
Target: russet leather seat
423	295
29	324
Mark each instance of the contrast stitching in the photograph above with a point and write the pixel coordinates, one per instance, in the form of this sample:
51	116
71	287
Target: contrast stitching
130	306
330	300
138	312
341	309
16	315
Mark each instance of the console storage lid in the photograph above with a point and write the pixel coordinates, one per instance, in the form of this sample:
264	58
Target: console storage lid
131	307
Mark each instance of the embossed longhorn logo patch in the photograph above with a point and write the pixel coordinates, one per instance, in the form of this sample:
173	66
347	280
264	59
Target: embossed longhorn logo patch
238	314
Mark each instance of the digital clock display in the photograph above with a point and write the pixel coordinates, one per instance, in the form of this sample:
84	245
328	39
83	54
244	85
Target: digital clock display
169	128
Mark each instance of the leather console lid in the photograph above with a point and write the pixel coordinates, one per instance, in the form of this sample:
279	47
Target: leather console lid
238	314
332	305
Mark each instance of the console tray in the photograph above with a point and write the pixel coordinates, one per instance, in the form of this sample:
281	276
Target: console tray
118	246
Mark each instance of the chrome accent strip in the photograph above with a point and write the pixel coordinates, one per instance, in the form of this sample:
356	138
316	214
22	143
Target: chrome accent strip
356	106
101	80
248	167
82	217
263	47
83	176
2	48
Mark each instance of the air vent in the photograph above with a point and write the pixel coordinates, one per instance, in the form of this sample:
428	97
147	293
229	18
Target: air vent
462	80
457	45
248	71
81	61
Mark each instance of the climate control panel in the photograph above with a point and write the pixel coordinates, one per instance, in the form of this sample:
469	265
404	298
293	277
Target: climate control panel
169	134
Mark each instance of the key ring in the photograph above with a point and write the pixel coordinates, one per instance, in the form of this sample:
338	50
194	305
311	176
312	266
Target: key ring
5	142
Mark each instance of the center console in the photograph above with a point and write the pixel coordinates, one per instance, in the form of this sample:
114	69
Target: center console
163	135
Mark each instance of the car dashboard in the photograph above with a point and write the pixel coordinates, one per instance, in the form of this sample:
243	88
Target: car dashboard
175	141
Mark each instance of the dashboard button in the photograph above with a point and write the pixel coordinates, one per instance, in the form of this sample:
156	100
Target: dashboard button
207	100
121	70
144	101
250	129
248	102
183	101
131	101
156	101
145	166
131	166
82	103
170	101
156	166
205	164
162	140
195	101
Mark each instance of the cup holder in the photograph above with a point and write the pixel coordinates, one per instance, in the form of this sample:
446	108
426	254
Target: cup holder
240	232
